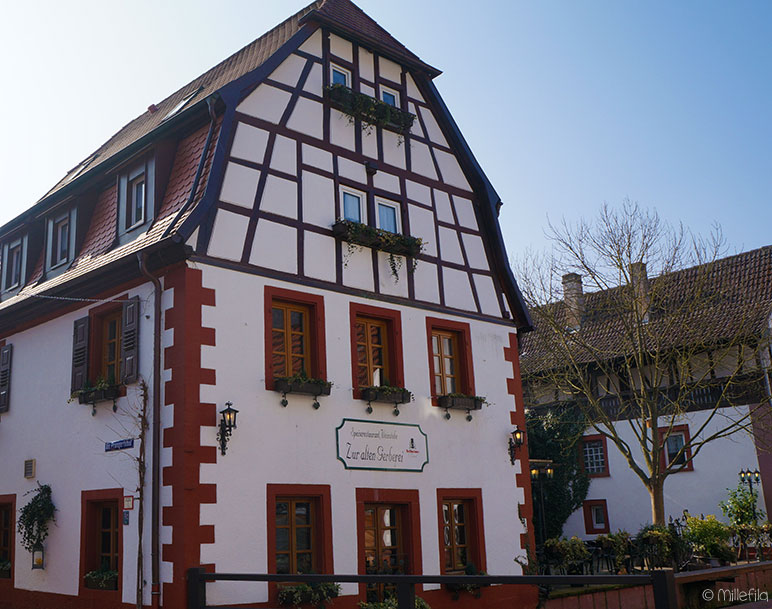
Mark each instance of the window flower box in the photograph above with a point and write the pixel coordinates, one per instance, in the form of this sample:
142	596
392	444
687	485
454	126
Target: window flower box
369	110
5	569
312	387
101	580
460	402
386	394
93	396
385	241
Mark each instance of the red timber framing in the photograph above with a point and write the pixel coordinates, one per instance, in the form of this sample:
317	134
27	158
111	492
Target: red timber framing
317	324
517	417
393	321
319	494
182	392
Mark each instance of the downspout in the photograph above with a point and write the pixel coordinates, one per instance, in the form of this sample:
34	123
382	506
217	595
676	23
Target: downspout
156	436
210	101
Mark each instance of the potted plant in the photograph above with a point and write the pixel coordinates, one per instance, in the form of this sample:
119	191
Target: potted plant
301	383
101	579
5	569
710	538
312	595
386	394
369	110
473	589
103	390
35	517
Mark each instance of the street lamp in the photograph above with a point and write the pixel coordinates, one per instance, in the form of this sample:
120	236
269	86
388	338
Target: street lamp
750	477
541	470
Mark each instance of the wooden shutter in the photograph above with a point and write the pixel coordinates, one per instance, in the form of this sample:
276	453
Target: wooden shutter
130	341
79	354
5	377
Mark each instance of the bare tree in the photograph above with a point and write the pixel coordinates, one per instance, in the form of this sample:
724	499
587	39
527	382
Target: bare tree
665	327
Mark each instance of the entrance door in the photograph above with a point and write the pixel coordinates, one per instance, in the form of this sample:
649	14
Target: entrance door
384	548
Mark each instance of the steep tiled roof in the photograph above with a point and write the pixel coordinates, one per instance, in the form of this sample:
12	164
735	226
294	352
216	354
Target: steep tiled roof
735	297
342	14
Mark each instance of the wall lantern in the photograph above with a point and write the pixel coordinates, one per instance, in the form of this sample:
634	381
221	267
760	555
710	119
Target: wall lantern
38	556
534	473
227	425
515	442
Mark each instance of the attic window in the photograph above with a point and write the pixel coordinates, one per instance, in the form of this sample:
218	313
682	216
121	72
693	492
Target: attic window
60	241
80	168
340	76
182	103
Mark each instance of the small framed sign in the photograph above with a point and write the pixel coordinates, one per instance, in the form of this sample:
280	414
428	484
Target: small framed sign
128	502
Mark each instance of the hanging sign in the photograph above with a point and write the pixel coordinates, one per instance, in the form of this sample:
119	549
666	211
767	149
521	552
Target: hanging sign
399	447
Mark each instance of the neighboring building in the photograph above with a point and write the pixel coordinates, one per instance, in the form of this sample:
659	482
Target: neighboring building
190	262
738	302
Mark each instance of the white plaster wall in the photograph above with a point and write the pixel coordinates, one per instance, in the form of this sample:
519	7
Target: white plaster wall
265	102
280	197
297	444
715	470
67	443
228	235
249	143
239	185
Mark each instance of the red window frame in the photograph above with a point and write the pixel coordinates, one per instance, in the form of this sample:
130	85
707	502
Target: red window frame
473	499
10	502
393	320
677	429
316	322
595	438
410	517
464	337
322	506
589	526
90	502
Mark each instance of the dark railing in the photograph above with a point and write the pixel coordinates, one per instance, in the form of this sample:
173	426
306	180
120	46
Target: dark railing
662	581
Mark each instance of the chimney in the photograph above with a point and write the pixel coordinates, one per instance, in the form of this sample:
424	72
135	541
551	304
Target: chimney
574	299
639	281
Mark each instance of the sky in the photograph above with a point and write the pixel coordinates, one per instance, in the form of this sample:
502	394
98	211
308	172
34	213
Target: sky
565	104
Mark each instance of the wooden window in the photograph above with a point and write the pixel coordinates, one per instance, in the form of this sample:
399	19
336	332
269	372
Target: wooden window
388	216
339	76
101	539
461	535
295	535
595	456
60	244
299	533
353	205
371	337
294	335
290	339
111	347
376	347
135	202
384	548
6	538
14	266
450	357
595	516
672	453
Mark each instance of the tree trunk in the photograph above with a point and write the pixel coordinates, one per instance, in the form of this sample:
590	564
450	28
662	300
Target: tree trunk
657	495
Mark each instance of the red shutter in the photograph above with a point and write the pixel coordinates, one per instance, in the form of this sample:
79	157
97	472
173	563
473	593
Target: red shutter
130	341
5	377
79	354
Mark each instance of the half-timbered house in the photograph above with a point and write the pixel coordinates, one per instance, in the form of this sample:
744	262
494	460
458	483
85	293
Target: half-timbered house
300	234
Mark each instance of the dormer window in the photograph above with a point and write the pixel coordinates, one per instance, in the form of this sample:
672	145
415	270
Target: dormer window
60	239
340	76
14	265
136	199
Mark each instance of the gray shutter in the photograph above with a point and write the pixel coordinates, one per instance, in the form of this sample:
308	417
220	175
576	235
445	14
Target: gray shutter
5	377
79	354
130	341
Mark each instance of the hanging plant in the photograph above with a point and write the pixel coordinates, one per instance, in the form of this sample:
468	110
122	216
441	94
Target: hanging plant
372	112
35	516
395	244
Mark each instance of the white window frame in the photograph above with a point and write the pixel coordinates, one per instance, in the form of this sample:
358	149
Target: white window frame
362	203
16	245
347	73
393	92
57	221
130	204
595	510
683	452
379	201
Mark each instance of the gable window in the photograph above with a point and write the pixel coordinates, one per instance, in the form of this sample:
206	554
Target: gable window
299	530
340	76
353	205
389	96
376	347
136	199
676	450
461	536
450	357
14	266
60	240
594	456
106	345
294	335
595	516
101	538
388	216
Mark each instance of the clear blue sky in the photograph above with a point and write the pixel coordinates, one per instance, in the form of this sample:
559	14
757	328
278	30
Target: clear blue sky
566	104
